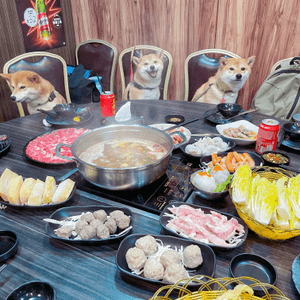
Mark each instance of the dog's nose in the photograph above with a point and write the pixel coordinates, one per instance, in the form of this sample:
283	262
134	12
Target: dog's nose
238	76
152	67
13	98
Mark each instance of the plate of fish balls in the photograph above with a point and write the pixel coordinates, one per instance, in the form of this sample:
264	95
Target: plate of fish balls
163	259
89	224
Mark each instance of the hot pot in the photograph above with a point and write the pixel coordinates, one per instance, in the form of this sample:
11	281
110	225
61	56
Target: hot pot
121	178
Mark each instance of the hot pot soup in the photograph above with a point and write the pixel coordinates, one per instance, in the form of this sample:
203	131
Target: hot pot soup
125	153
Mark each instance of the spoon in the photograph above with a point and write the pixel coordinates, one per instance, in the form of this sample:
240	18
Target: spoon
242	113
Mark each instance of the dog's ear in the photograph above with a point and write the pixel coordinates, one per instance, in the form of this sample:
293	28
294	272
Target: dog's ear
136	60
34	78
250	61
222	61
160	54
7	77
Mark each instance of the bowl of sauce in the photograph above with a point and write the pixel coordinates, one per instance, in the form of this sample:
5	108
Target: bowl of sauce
275	158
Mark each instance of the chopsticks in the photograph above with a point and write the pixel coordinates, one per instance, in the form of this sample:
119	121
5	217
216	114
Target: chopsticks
3	267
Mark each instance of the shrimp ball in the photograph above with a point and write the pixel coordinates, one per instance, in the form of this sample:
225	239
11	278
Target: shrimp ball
88	217
102	231
117	215
147	243
111	225
96	222
192	256
64	231
101	215
80	225
135	259
175	272
170	257
124	222
153	269
88	232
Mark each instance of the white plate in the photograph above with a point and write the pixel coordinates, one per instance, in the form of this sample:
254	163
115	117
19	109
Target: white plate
238	141
186	132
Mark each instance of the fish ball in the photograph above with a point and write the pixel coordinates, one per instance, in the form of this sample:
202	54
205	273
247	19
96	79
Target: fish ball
153	269
135	259
147	244
117	215
96	222
111	225
101	215
170	257
80	225
192	256
88	217
124	222
88	232
64	231
102	231
175	272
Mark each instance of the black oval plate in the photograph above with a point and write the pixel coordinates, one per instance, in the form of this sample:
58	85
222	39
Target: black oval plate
8	244
193	139
296	273
45	206
217	118
256	157
164	221
206	268
65	212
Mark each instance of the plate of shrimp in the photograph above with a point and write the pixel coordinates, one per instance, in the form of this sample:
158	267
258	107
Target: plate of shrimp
232	160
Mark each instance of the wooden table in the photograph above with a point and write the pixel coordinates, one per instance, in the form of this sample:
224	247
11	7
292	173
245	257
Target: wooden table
90	272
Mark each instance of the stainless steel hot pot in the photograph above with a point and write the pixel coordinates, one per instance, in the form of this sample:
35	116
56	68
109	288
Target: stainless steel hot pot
122	178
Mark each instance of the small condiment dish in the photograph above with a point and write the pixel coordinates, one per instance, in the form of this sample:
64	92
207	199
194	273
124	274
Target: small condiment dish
66	110
275	158
229	110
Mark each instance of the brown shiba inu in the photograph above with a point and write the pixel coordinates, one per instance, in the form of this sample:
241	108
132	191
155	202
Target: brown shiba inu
146	79
36	91
225	85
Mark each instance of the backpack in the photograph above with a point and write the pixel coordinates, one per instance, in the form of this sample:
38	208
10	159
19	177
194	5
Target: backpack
279	94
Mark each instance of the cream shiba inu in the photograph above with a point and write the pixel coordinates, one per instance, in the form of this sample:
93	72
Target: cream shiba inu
146	79
225	85
36	91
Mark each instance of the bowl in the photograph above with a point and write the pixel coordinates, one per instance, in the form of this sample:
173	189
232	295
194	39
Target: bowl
238	141
37	290
174	119
292	130
208	195
253	266
274	158
8	244
229	110
296	118
66	110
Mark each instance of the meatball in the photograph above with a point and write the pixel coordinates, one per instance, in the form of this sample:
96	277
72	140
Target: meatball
135	259
192	256
153	269
88	217
88	232
124	222
80	225
102	231
117	215
170	257
64	231
101	215
147	243
96	222
175	272
111	225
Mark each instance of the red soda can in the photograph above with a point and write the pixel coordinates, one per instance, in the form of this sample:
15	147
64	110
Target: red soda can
267	135
108	104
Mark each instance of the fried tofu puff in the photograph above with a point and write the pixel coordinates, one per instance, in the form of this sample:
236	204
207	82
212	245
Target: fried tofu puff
135	259
192	256
147	243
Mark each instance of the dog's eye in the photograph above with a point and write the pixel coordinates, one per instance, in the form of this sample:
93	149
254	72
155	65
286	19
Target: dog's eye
22	87
155	61
146	64
231	69
243	69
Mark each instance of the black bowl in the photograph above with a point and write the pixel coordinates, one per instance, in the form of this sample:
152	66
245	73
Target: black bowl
8	244
292	130
174	119
66	110
33	290
229	110
270	163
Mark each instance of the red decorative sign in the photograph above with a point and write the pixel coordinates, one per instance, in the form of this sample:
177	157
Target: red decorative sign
42	24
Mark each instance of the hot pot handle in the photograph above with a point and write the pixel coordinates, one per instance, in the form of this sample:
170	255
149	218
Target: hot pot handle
58	148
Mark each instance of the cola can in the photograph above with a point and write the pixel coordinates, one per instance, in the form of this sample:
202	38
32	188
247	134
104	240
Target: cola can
267	136
108	104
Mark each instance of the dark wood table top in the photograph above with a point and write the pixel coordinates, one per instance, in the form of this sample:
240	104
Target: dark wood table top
90	272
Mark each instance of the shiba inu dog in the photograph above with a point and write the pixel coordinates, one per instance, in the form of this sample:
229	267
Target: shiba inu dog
146	79
36	91
225	85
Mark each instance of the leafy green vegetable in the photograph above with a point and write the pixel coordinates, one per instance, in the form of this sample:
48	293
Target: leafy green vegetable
221	186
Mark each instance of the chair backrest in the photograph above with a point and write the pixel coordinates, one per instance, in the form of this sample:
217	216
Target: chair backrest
278	64
100	57
51	67
125	70
199	67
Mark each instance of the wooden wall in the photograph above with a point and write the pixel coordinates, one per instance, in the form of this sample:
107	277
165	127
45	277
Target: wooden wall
267	29
11	45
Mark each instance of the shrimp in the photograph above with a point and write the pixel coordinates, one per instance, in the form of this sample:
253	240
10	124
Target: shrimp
237	156
249	160
228	163
214	157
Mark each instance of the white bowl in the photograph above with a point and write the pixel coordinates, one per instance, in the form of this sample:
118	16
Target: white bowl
186	132
238	141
